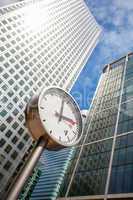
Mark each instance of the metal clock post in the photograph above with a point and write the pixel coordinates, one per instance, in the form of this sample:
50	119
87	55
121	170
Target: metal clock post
53	119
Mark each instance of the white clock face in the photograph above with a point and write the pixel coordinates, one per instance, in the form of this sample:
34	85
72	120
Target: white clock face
60	116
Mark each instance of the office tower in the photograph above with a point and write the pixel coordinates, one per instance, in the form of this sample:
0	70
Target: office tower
102	167
30	184
42	43
53	166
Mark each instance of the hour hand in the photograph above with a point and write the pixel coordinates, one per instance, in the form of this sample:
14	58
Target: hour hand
66	119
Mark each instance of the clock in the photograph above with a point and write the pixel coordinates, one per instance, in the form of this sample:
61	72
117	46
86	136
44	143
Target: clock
55	116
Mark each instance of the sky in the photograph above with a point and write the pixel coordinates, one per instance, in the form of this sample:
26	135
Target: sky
116	20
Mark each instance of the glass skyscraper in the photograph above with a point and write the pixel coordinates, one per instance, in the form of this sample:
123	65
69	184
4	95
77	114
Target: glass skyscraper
102	167
42	43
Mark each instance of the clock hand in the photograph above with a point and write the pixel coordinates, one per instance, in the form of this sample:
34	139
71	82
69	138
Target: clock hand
61	110
66	118
70	125
69	120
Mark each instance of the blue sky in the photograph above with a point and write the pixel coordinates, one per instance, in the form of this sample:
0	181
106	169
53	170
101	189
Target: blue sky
116	19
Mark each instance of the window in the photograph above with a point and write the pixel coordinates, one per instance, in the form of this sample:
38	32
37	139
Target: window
9	119
7	165
2	142
8	133
2	158
2	127
15	112
8	148
20	131
14	155
7	54
20	145
3	113
1	58
26	137
11	81
15	125
2	48
4	87
1	176
10	94
10	106
15	139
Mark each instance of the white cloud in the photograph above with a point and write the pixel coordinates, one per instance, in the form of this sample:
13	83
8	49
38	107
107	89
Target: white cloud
117	21
124	4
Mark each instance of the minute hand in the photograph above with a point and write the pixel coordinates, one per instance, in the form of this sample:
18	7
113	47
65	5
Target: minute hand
68	119
61	110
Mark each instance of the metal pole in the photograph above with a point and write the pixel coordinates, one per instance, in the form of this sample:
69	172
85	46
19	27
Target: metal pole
27	170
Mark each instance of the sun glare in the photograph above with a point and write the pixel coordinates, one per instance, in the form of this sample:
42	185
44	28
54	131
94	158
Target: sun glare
34	17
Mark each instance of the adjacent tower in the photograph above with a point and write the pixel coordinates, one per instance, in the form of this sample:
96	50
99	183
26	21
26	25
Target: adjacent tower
102	167
42	43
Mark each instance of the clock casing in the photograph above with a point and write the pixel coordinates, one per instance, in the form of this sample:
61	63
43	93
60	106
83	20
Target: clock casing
36	126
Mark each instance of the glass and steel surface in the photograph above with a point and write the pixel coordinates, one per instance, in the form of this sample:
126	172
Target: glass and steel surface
102	167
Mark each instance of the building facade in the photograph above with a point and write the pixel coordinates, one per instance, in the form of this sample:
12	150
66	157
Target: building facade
42	43
102	167
53	166
30	184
